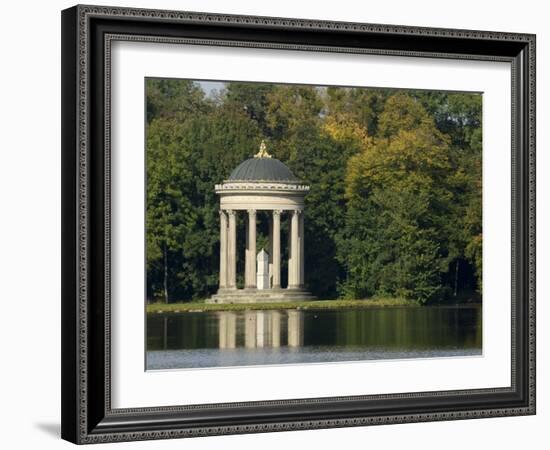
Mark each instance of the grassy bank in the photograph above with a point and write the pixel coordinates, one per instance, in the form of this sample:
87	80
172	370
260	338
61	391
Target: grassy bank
316	304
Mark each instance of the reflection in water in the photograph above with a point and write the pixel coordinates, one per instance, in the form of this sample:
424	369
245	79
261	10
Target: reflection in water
261	329
248	329
208	339
227	329
295	328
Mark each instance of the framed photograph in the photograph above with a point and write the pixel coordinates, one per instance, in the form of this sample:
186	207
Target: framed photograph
279	224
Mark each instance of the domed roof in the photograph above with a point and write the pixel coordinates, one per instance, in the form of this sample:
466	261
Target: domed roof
263	168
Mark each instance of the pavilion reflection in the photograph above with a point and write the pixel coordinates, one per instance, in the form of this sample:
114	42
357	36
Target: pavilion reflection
260	329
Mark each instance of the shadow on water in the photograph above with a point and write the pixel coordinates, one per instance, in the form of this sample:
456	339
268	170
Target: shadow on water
210	339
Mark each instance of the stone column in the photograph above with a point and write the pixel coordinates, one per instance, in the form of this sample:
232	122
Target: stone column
301	251
250	262
276	257
289	245
223	250
294	259
232	250
270	253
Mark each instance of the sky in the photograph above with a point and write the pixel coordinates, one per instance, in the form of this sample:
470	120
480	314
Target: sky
210	86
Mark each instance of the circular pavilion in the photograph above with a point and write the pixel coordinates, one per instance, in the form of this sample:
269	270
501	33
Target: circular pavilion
261	183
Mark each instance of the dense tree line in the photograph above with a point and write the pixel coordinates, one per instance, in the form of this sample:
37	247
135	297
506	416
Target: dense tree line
395	202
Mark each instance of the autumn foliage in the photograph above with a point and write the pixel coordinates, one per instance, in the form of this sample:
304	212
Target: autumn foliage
395	202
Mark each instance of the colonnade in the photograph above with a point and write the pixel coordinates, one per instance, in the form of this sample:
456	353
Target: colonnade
228	249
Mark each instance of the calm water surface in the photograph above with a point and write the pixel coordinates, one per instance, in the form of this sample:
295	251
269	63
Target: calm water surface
244	338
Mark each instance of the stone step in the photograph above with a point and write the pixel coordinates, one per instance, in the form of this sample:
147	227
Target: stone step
258	296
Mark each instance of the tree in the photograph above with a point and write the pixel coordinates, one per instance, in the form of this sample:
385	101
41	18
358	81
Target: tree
394	206
253	98
362	105
459	116
398	199
316	146
174	99
169	213
294	118
185	159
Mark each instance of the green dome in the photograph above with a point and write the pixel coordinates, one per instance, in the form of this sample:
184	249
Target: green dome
263	169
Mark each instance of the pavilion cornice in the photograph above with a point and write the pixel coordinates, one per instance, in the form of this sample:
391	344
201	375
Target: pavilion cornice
250	187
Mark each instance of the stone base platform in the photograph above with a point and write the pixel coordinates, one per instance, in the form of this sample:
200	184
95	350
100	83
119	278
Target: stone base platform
260	296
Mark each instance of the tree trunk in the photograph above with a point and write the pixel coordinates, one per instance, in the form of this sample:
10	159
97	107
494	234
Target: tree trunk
457	265
165	274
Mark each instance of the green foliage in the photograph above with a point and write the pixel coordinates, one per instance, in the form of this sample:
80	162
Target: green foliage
252	98
175	99
185	158
394	207
400	192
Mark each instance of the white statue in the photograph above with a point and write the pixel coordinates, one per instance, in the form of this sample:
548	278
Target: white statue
262	274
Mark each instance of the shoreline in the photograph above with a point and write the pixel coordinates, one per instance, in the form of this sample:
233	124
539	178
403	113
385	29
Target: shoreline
159	308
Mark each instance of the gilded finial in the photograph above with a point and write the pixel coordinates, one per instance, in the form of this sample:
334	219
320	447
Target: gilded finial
263	151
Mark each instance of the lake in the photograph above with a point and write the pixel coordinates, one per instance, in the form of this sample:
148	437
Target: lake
247	338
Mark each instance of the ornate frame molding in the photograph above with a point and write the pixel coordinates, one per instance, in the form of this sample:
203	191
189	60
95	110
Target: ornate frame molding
87	416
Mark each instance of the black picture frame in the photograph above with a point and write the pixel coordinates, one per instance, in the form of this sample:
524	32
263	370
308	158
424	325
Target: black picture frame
87	415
